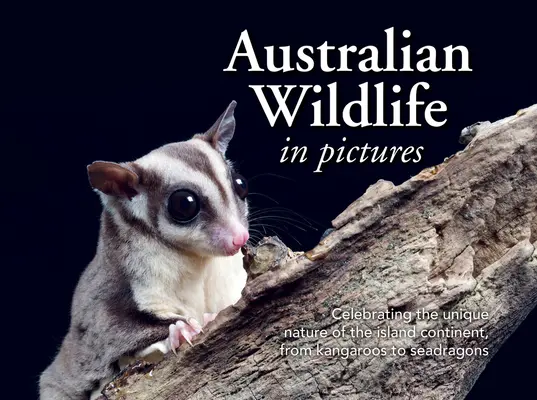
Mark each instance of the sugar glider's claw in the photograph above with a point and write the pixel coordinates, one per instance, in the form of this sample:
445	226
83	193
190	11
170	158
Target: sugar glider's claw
184	330
187	332
192	322
195	324
174	338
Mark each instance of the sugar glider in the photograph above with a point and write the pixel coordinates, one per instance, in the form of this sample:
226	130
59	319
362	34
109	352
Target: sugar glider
168	258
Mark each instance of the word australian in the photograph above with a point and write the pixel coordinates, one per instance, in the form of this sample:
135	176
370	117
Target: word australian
350	58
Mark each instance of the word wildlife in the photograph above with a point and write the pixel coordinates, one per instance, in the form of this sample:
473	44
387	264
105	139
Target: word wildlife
350	58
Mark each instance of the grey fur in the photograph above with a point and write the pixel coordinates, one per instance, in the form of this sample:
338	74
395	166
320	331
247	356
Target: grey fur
104	326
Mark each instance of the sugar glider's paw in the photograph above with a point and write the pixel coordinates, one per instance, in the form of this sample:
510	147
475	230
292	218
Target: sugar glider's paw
182	331
208	317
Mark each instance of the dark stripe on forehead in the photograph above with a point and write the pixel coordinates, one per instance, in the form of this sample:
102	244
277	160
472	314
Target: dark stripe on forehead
197	160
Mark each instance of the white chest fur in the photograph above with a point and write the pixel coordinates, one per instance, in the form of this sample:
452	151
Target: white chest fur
189	292
189	287
225	278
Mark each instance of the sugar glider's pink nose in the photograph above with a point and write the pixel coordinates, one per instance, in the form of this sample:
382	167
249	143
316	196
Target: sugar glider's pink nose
240	238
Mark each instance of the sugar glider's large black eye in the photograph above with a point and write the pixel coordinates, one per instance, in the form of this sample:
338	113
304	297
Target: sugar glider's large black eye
183	205
240	185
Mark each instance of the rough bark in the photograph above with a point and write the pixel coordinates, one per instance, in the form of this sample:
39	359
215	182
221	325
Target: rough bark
460	235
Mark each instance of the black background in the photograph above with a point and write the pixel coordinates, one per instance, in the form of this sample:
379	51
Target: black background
80	85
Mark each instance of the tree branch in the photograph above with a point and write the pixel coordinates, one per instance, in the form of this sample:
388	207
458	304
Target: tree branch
458	236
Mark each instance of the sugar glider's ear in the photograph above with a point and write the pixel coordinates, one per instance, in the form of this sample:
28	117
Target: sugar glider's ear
113	179
220	134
